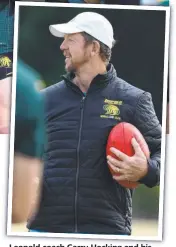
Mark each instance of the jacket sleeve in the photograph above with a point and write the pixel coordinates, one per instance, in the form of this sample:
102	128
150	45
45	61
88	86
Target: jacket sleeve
146	121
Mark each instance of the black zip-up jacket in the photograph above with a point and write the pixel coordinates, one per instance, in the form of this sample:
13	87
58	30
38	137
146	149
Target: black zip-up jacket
79	194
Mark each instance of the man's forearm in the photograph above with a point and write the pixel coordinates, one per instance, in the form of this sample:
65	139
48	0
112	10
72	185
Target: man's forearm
26	187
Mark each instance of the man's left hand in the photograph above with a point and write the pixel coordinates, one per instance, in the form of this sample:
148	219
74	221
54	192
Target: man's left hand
130	168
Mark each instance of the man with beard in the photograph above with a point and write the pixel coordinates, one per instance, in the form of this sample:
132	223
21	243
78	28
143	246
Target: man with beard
79	194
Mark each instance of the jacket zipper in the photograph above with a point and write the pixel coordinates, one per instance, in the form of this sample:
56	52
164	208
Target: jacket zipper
78	164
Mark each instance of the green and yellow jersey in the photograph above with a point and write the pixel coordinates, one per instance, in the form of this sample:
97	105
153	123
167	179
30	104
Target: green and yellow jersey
29	119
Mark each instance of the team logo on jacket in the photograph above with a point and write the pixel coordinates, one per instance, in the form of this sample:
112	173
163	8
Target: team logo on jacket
111	109
5	62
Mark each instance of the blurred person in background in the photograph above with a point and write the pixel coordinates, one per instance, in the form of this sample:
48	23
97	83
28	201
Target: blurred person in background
29	144
79	194
29	127
6	57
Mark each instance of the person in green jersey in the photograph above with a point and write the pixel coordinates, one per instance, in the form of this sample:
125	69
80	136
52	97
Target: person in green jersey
29	143
6	49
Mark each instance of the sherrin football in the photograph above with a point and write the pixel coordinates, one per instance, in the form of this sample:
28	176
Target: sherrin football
120	137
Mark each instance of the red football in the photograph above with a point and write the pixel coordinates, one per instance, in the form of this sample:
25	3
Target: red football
120	137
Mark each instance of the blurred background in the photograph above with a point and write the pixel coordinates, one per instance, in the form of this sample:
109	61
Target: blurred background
138	58
138	55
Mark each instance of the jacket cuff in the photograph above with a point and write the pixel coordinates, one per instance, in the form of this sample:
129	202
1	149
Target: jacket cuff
152	177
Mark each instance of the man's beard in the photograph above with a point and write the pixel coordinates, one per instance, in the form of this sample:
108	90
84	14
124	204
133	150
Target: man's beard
73	67
70	69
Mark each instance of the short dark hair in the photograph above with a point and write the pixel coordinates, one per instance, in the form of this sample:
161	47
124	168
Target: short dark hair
105	51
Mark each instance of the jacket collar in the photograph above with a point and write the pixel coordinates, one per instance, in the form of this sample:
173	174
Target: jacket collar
101	80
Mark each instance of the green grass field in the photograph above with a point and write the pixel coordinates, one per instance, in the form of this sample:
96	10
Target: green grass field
140	228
